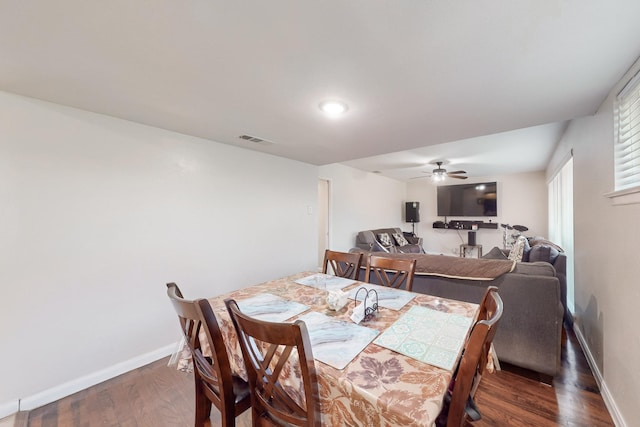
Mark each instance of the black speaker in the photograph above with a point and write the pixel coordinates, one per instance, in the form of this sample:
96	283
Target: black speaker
412	212
472	238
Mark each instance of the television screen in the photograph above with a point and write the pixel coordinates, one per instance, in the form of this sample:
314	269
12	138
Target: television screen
479	199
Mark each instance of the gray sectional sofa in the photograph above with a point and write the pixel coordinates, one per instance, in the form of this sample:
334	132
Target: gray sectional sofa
539	249
369	240
529	335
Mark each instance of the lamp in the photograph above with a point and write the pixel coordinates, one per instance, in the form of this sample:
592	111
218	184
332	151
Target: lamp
333	108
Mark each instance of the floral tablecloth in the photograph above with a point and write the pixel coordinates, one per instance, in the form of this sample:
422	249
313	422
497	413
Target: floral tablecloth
379	387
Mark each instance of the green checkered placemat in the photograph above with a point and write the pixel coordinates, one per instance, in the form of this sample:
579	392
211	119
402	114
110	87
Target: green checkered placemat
427	335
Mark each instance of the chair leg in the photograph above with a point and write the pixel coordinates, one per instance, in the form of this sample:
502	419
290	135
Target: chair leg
256	418
228	416
203	406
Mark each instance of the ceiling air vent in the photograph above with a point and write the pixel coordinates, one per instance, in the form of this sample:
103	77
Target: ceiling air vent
255	139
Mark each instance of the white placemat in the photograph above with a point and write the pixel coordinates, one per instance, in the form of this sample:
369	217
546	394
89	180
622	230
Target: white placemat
336	342
321	280
270	308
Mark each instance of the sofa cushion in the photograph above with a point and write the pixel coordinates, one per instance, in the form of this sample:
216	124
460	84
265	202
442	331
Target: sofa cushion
495	253
410	249
400	240
384	239
543	253
535	268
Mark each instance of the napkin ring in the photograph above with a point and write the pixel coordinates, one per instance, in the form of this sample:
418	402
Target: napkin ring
370	302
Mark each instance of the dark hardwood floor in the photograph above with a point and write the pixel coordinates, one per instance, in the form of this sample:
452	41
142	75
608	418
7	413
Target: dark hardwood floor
156	395
516	397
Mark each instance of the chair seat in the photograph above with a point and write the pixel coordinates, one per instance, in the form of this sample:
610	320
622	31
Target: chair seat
240	388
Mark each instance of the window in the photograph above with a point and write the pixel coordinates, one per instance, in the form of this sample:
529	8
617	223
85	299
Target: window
627	136
561	220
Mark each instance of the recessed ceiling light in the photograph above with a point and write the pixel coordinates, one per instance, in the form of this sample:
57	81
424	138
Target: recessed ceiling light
333	108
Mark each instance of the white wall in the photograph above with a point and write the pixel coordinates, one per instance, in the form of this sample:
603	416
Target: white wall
522	199
361	201
607	288
97	214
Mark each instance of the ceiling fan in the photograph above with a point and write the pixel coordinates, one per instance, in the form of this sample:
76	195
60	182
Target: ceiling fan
439	174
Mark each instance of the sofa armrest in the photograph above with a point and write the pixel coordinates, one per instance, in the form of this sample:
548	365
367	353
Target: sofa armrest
414	240
365	240
560	264
530	331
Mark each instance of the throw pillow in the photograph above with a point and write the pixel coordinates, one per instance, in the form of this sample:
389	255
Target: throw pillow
526	251
495	253
384	239
517	250
543	253
542	241
539	253
400	240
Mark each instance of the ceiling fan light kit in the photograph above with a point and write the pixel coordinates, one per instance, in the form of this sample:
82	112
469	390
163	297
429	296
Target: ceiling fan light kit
439	174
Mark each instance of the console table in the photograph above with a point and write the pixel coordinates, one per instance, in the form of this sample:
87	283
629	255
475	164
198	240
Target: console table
464	247
465	225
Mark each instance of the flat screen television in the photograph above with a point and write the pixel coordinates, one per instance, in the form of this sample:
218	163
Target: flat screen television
478	199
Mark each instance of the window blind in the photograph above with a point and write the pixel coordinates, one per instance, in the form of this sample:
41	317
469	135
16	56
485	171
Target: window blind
627	136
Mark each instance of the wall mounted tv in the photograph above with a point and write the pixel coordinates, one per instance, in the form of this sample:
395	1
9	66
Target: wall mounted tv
479	199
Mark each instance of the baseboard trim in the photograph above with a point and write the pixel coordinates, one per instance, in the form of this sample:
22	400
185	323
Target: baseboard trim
74	386
610	403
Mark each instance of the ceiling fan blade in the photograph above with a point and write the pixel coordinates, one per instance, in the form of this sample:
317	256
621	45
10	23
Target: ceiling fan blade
456	172
457	176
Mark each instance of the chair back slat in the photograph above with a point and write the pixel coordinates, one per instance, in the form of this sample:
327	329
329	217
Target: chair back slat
390	272
343	264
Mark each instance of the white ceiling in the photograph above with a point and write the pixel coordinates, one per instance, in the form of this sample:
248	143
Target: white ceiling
414	73
517	151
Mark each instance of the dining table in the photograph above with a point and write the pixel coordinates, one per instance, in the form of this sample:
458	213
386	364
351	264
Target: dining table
392	368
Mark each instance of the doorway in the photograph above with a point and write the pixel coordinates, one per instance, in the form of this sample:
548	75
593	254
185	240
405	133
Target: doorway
323	219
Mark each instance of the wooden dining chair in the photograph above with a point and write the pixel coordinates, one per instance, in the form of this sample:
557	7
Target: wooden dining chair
343	264
391	272
214	381
487	310
473	361
266	349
